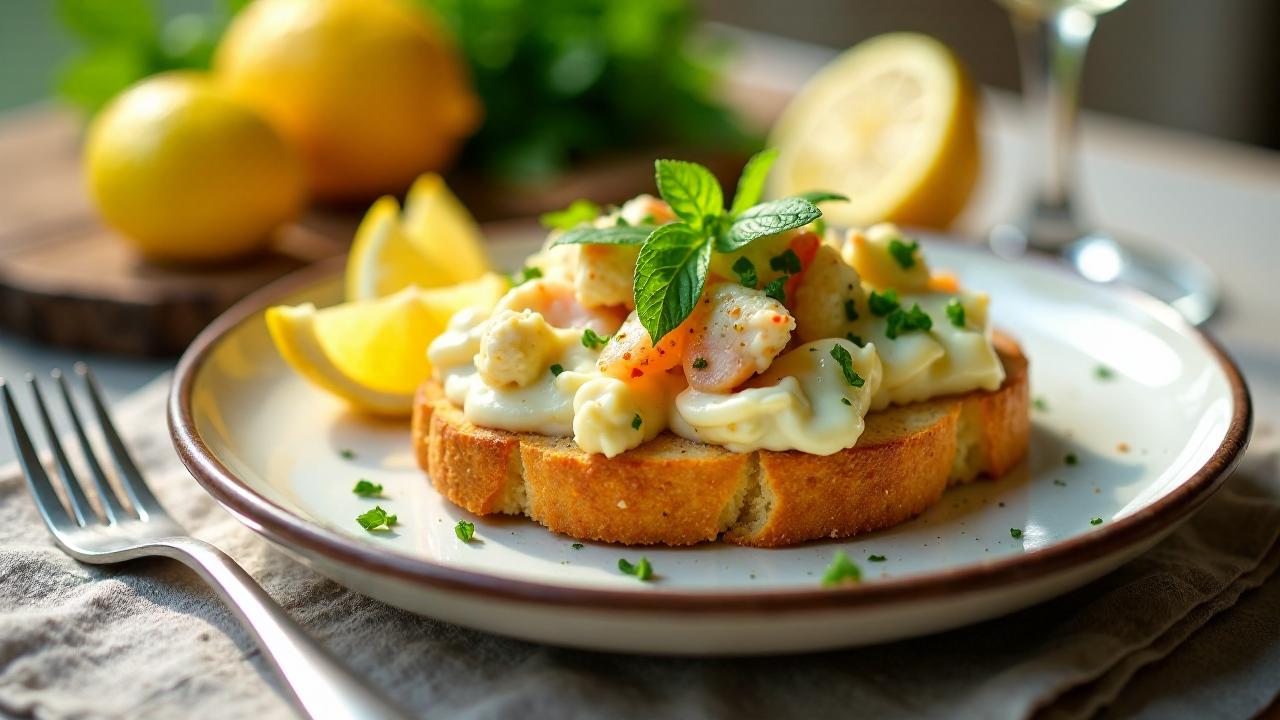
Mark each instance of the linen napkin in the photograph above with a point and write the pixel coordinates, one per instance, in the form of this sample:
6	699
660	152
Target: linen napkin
149	640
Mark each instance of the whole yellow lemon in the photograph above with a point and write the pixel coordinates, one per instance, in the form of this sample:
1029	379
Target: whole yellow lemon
188	173
371	92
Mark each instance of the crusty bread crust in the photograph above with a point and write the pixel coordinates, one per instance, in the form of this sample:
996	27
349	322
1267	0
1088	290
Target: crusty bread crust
676	492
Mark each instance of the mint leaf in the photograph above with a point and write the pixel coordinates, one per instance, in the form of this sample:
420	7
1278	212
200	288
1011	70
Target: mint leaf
751	182
367	489
617	235
464	530
768	218
691	190
746	271
376	519
578	212
817	196
670	274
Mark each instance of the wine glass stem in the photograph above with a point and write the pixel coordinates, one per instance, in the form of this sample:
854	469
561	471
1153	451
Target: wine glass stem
1052	47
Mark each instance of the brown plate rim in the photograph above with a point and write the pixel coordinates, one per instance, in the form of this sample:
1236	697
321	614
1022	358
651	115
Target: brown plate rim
282	526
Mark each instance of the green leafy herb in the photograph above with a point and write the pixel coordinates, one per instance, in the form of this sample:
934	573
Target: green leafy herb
1059	482
955	312
819	196
777	289
616	235
850	310
592	341
367	489
881	304
464	530
1015	533
746	272
845	360
875	558
524	275
376	519
903	321
846	401
788	262
1102	372
1071	459
855	339
670	274
636	421
841	571
641	570
578	212
751	181
904	254
577	546
699	363
347	454
1040	404
1096	521
769	218
556	369
691	190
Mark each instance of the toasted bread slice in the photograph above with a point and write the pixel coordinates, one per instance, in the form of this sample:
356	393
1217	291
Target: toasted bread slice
677	492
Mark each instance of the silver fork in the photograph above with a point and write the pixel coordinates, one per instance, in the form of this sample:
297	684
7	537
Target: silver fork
316	683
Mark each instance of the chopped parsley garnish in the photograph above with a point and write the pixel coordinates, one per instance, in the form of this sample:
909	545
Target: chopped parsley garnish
776	289
845	400
699	363
367	489
577	546
347	454
464	530
1102	372
902	252
841	570
636	421
593	341
955	313
746	272
788	262
855	339
842	356
903	321
524	275
641	570
1059	482
875	558
1040	404
1071	459
556	369
1096	521
850	310
883	304
1015	533
376	519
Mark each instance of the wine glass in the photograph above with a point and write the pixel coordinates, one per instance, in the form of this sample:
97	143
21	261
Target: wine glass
1053	36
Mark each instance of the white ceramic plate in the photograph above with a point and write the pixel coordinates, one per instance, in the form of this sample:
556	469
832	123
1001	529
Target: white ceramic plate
1152	443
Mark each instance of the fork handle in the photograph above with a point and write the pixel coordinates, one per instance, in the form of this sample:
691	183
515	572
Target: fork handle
317	684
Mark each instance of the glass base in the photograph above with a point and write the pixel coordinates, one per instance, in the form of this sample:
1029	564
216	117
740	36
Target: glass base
1169	274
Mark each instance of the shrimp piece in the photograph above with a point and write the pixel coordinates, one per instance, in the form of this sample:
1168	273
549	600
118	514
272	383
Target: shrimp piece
805	246
555	300
630	353
737	332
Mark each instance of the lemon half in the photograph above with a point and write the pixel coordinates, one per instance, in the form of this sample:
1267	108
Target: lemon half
892	124
433	243
373	353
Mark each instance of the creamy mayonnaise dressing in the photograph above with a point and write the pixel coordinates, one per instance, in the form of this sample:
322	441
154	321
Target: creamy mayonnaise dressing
513	369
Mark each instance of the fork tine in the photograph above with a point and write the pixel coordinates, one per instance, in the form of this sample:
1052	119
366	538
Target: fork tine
47	502
110	503
80	506
130	476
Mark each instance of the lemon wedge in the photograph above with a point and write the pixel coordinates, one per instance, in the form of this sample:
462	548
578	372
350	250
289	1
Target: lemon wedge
892	124
433	243
373	353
